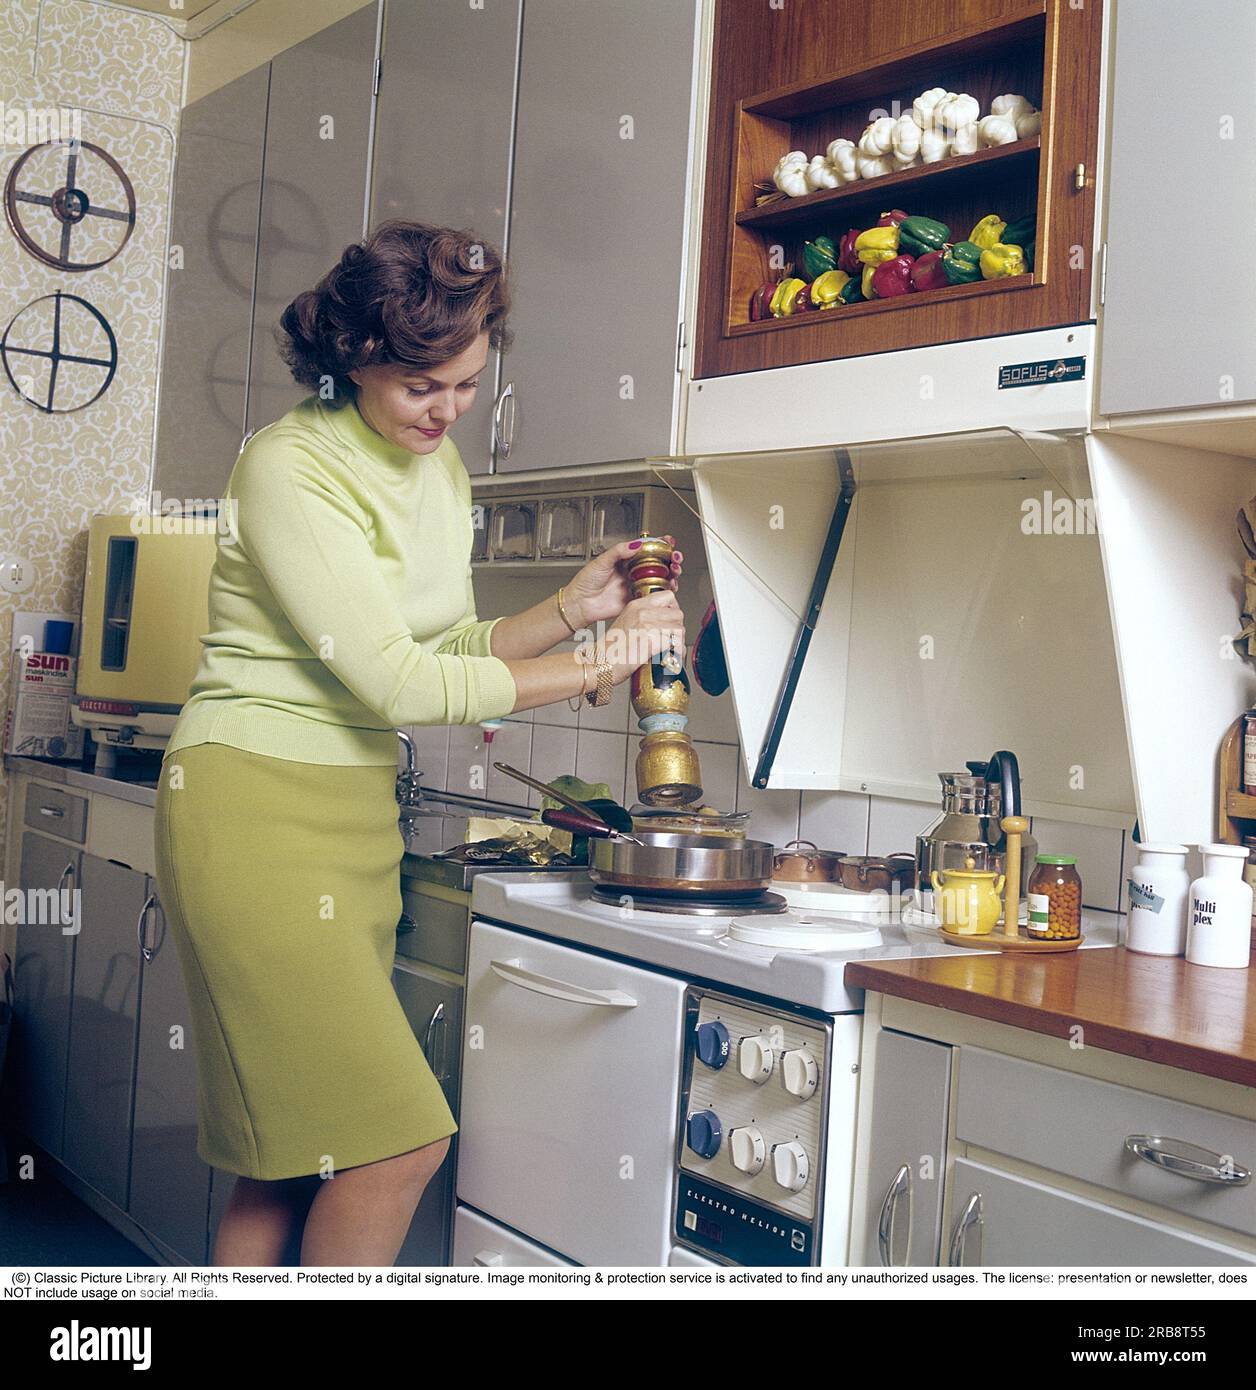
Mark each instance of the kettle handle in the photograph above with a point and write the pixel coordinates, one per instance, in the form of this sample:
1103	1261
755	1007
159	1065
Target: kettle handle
1004	769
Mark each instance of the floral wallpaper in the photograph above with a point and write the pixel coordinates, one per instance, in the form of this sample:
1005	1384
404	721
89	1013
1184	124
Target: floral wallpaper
124	71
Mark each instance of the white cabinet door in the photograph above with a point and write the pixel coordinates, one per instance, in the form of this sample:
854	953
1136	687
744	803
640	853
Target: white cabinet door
998	1219
570	1089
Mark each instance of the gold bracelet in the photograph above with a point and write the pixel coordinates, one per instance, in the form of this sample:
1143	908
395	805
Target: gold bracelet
605	684
573	704
562	612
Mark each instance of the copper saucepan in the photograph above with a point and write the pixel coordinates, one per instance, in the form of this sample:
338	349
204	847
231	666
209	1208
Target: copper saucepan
801	861
874	873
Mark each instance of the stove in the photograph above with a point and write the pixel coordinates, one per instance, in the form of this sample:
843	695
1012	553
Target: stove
678	904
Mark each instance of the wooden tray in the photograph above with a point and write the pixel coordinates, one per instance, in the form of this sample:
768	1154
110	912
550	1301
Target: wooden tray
996	941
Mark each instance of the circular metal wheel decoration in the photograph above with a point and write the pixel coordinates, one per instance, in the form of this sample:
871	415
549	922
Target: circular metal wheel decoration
62	203
59	353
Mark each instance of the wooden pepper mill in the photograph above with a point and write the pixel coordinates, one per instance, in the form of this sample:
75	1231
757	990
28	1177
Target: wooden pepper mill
668	773
1013	828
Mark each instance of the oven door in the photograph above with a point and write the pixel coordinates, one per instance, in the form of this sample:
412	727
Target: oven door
570	1089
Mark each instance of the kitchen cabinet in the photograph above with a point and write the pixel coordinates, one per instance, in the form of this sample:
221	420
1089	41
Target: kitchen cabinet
314	187
170	1183
907	1154
443	131
103	1014
798	78
597	231
1188	107
209	296
999	1218
43	976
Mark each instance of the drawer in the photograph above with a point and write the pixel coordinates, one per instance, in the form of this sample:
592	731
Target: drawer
439	934
56	812
481	1243
1078	1126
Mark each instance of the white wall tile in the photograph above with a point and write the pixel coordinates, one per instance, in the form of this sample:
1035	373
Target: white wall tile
894	824
773	813
553	754
1097	849
720	774
836	820
512	744
617	717
468	760
600	758
431	752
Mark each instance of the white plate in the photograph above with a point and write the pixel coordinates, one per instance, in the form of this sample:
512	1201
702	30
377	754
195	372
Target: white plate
804	931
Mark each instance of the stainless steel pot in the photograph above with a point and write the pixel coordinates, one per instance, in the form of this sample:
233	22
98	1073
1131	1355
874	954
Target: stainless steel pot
973	803
688	866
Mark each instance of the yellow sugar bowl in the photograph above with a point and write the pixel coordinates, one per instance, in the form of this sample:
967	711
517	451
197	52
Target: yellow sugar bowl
968	900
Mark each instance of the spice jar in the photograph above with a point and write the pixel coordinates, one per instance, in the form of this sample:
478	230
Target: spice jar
1055	899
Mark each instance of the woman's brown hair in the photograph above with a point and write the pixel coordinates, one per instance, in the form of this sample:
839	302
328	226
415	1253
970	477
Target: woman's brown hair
409	294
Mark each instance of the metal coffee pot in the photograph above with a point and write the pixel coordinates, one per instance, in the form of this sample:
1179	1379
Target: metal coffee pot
973	804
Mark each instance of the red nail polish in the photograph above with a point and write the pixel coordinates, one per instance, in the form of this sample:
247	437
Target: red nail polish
633	545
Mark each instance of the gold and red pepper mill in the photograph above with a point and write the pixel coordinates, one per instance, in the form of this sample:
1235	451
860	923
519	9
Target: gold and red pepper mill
668	773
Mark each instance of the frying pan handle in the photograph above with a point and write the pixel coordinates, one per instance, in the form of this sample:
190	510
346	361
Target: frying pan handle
577	823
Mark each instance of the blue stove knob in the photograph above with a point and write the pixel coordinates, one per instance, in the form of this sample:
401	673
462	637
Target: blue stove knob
704	1133
714	1045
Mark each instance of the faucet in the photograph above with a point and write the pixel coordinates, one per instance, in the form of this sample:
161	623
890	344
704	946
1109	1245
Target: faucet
409	787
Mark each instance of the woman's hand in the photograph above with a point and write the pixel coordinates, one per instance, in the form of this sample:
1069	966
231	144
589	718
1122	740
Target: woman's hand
645	629
601	591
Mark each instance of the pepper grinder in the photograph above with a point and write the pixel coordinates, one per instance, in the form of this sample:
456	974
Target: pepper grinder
1013	827
668	773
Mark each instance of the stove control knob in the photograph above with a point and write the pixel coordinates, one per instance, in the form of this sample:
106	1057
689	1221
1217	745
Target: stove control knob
790	1166
801	1073
704	1133
749	1150
755	1059
714	1044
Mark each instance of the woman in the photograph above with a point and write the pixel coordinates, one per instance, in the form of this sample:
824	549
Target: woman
341	608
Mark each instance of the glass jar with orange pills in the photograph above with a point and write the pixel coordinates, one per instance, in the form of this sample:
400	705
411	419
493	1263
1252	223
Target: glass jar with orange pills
1055	899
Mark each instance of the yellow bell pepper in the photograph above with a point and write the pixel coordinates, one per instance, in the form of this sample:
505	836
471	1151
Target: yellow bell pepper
866	281
877	244
826	288
987	231
786	292
1001	260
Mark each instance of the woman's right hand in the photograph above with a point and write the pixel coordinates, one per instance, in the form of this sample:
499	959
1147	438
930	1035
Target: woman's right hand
647	628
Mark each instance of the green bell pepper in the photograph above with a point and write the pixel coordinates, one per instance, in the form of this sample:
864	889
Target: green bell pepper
1021	232
961	263
852	291
818	256
917	236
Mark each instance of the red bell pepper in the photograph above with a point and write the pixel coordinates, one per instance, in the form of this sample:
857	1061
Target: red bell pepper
847	259
892	218
893	277
927	273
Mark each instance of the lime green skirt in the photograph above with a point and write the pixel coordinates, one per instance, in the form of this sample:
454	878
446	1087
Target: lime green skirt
280	881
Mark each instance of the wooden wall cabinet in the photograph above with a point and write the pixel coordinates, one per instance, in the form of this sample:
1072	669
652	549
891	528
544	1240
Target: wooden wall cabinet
801	77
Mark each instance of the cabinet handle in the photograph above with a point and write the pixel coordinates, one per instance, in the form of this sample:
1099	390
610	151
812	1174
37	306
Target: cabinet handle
142	922
971	1217
436	1021
1188	1160
52	812
514	974
502	439
885	1227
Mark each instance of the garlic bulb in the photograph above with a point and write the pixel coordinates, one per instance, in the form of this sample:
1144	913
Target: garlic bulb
906	139
996	130
841	155
924	108
1010	105
965	140
790	174
878	138
933	146
954	112
873	166
821	174
1028	124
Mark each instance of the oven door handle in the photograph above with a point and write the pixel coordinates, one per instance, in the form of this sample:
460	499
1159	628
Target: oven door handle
513	973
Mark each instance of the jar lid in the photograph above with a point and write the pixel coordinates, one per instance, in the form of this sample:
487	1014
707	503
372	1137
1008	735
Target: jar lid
1057	859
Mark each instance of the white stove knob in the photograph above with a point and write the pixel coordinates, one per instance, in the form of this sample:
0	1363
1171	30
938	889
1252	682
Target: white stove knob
755	1059
790	1166
801	1073
749	1150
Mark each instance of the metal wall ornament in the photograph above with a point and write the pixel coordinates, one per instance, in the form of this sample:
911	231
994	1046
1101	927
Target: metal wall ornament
54	189
59	353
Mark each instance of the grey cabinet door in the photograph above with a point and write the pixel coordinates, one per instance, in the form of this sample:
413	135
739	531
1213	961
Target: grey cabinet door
1182	120
597	229
104	1010
169	1180
1010	1220
907	1156
434	1009
443	128
43	974
318	137
209	301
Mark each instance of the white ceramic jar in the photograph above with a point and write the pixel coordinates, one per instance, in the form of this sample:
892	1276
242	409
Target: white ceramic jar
1219	923
1159	886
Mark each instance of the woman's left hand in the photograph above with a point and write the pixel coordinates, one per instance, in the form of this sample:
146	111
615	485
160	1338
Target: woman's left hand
601	591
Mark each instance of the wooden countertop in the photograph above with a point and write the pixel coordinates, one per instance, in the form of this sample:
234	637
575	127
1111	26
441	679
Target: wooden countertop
1160	1009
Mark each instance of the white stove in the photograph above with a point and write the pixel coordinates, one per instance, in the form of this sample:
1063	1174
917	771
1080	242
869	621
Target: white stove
650	1088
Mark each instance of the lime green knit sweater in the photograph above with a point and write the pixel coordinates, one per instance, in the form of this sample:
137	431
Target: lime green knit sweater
341	607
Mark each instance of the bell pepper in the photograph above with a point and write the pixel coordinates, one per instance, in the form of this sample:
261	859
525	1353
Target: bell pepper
865	282
1031	250
760	300
929	273
826	289
1001	260
877	244
782	302
852	291
917	236
1021	232
847	258
987	231
894	218
961	263
892	278
818	255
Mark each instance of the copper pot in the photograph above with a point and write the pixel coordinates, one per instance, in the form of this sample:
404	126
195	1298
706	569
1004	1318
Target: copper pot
872	873
801	861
